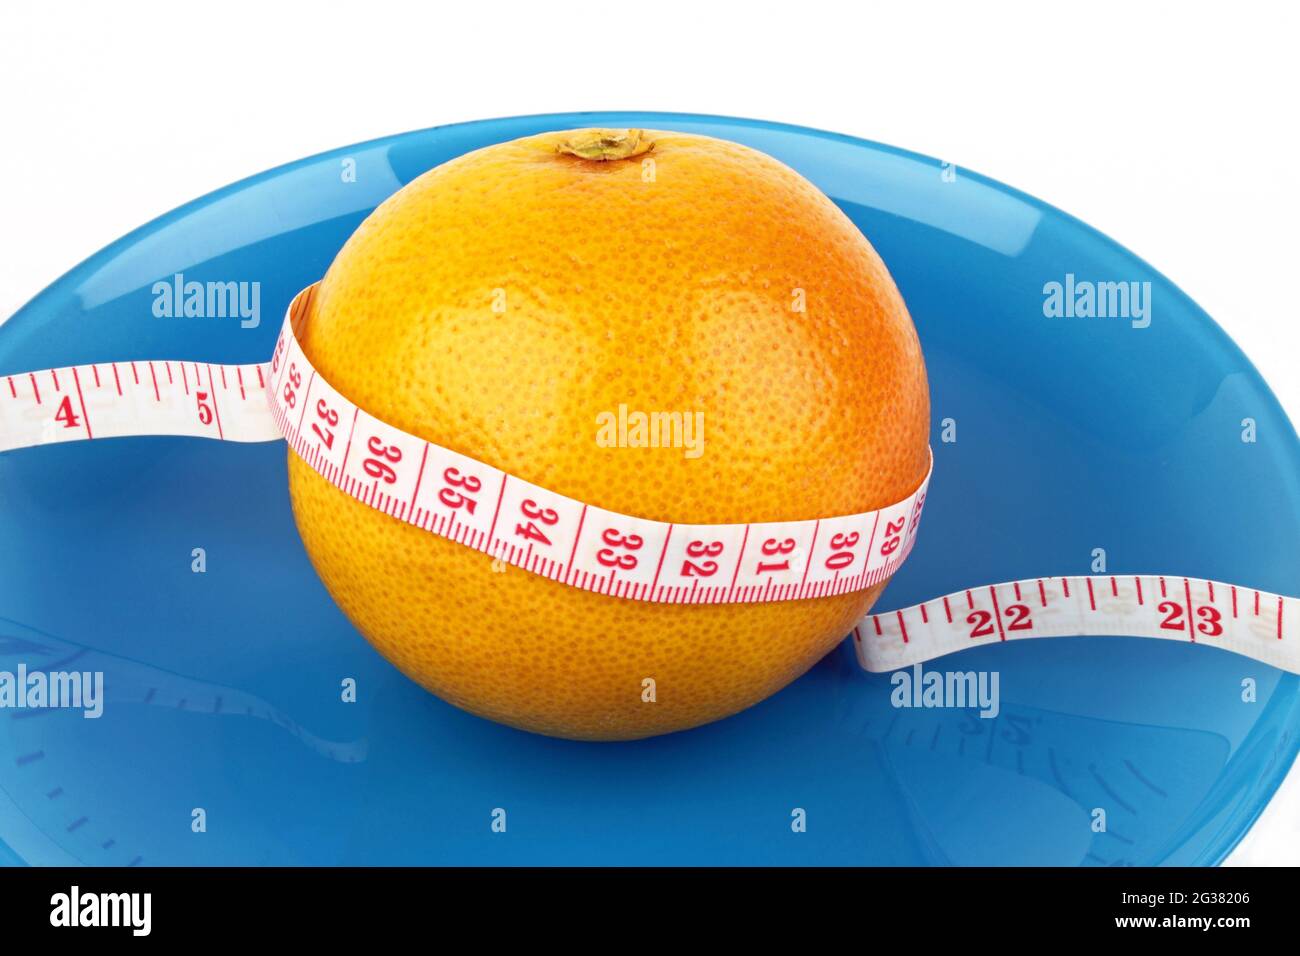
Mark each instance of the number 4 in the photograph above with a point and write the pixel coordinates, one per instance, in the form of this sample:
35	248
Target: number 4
66	415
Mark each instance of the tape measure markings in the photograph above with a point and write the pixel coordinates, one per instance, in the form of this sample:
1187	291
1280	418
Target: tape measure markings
128	403
567	540
581	545
1188	609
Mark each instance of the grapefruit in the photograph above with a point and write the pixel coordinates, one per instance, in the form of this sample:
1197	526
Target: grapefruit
505	304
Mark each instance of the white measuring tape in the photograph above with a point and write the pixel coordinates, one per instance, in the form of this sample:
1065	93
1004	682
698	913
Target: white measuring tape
622	556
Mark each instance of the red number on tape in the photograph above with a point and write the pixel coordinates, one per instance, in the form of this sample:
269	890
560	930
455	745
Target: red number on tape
533	512
615	539
1210	618
701	549
456	499
773	547
66	415
1019	615
291	387
893	536
330	418
381	469
841	555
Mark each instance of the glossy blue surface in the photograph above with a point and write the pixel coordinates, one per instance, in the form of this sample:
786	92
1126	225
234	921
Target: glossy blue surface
224	688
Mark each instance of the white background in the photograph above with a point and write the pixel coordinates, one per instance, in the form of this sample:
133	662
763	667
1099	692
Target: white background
1170	127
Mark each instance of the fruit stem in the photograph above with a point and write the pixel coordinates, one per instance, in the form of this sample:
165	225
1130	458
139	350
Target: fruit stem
605	144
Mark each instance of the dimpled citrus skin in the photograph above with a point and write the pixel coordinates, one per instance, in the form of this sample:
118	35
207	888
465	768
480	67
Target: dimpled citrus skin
664	286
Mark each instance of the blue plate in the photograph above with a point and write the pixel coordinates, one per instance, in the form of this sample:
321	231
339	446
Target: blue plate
224	688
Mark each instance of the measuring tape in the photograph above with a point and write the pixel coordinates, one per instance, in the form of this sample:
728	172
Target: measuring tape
623	556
